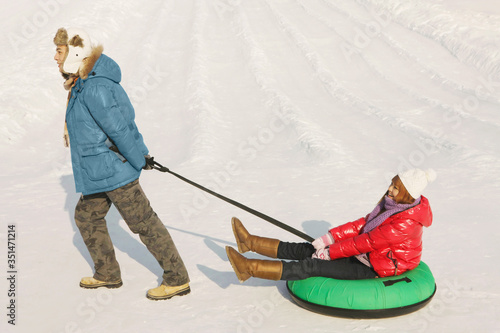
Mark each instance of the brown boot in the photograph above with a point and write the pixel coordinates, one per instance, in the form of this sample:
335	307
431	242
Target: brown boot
247	242
245	268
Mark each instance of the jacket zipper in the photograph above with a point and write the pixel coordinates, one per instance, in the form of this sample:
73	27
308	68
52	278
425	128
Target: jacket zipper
394	261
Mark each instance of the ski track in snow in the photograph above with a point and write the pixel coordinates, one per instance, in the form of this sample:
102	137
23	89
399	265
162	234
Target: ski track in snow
309	135
397	49
209	126
340	93
432	21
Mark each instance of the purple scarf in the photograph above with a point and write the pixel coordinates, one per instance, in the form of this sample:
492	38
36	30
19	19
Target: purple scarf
375	218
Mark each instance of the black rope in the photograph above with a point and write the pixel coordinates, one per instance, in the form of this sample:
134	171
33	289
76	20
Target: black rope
157	166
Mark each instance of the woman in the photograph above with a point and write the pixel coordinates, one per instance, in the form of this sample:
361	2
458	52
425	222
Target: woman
386	242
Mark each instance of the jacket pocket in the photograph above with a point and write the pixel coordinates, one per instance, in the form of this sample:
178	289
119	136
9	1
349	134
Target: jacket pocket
98	162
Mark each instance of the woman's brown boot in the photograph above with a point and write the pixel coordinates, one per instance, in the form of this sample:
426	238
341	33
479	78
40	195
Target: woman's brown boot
247	242
246	268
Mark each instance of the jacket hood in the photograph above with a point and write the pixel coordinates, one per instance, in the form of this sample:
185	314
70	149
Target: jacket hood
100	65
421	212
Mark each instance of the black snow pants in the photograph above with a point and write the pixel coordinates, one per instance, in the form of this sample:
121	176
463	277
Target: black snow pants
303	266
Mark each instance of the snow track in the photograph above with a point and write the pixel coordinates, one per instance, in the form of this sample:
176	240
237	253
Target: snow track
309	135
452	30
349	98
209	127
410	127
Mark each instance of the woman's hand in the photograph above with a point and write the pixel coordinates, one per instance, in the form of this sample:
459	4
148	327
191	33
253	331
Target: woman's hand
323	241
323	254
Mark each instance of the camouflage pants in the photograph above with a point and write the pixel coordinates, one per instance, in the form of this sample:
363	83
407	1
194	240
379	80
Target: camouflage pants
135	209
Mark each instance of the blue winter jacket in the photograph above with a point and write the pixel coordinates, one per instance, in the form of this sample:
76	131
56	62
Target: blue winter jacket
99	115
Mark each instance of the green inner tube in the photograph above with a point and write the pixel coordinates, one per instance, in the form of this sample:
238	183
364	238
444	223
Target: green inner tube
368	298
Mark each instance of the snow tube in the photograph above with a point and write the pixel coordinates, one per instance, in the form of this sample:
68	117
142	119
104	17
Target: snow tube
368	298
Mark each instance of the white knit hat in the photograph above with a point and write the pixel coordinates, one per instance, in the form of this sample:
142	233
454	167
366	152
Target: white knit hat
79	47
415	180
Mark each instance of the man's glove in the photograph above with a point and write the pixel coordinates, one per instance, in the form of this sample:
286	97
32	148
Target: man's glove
149	163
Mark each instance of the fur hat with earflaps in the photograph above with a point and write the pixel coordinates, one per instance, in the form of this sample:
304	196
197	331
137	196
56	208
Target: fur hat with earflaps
79	47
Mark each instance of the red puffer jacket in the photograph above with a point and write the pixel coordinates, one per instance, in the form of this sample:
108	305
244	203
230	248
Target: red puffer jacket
394	247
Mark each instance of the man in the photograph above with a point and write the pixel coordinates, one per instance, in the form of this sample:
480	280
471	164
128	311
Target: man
108	154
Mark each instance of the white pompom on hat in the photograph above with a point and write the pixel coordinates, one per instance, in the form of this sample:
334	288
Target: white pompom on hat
416	180
79	47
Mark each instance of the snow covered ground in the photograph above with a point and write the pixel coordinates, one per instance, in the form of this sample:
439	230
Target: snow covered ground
301	109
